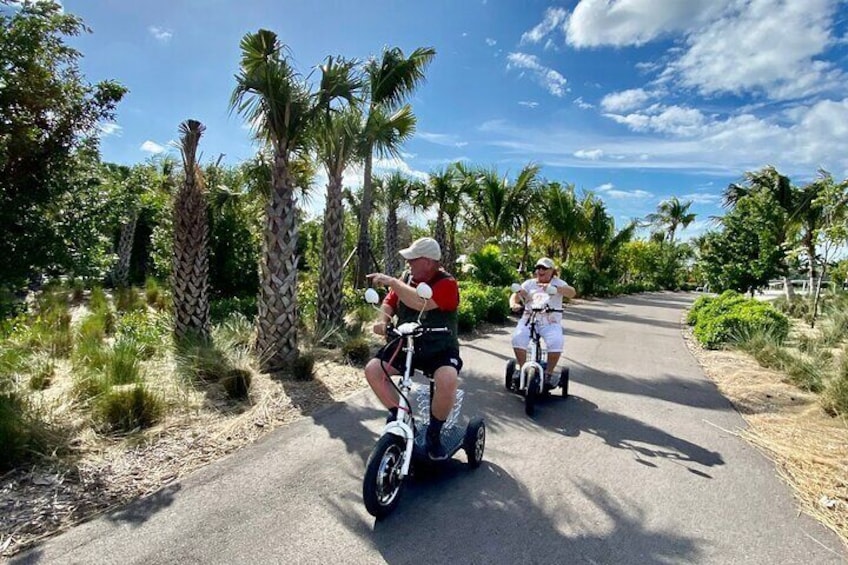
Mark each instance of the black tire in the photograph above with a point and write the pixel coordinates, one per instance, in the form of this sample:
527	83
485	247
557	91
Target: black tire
510	370
474	442
382	485
532	394
563	382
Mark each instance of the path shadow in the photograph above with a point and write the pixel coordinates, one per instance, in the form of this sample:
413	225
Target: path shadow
489	516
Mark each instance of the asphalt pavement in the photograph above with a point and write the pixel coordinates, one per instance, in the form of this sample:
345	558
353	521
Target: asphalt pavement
641	465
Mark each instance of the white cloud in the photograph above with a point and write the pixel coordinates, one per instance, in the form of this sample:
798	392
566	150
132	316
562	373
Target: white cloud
528	103
701	198
676	120
636	22
608	189
491	42
445	139
591	154
161	34
625	100
554	17
110	128
751	50
547	77
151	147
583	104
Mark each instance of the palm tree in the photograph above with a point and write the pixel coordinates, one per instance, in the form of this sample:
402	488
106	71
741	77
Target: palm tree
670	215
600	237
275	99
561	216
190	277
394	190
337	139
496	206
444	190
390	80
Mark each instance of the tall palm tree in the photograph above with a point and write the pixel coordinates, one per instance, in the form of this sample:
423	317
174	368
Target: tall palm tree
561	216
395	190
389	81
190	276
670	215
337	139
599	233
443	190
275	99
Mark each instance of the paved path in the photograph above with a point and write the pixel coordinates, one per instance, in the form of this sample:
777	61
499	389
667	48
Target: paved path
634	468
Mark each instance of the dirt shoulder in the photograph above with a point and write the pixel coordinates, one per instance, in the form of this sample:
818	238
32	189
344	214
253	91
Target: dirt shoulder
808	447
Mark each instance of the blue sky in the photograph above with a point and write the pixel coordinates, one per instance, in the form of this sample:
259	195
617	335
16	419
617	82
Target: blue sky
637	100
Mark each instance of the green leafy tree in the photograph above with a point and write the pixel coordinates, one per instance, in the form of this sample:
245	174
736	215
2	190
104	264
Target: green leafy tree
832	200
747	253
48	134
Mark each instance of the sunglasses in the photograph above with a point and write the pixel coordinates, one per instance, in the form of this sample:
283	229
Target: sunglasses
540	268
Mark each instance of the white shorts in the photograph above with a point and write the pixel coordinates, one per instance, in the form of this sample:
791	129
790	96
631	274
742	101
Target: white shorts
551	334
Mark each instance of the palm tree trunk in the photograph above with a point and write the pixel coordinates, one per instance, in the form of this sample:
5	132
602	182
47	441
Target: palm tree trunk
125	245
391	247
276	341
450	260
190	278
331	304
363	243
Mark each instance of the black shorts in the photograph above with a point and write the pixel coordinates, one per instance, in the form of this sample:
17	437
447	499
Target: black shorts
426	361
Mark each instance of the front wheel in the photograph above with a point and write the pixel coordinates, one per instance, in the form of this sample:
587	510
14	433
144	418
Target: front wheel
510	372
383	481
532	393
474	442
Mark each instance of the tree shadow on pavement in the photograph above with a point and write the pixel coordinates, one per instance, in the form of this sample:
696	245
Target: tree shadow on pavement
489	516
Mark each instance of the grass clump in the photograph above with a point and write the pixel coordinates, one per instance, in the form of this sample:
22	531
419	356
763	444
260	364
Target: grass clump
128	408
237	384
357	351
303	367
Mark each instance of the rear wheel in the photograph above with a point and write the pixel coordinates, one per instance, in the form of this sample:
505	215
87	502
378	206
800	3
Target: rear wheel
532	394
563	382
510	371
383	482
475	442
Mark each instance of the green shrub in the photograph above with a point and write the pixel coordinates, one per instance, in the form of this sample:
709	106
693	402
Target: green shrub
42	374
763	345
805	374
148	331
152	291
356	351
18	431
98	302
89	384
490	267
700	303
234	332
200	361
128	408
731	315
223	307
303	368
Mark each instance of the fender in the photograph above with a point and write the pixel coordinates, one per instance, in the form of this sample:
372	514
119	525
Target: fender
523	384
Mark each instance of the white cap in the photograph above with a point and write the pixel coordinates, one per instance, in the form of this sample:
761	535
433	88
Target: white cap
424	247
545	262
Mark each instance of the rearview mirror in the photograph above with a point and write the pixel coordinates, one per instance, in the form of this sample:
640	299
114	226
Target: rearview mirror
371	296
424	291
515	287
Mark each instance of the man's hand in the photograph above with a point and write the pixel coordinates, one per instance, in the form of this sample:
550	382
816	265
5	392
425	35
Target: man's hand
380	279
379	328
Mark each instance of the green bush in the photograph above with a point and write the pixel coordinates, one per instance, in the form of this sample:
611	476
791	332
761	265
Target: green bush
222	308
125	409
127	299
89	384
124	362
479	303
199	361
731	315
148	331
490	267
22	434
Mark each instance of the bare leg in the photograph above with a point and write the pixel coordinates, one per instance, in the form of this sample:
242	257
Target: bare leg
520	355
445	392
553	359
380	383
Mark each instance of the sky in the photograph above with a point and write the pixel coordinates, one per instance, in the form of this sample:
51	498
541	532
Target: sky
636	100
